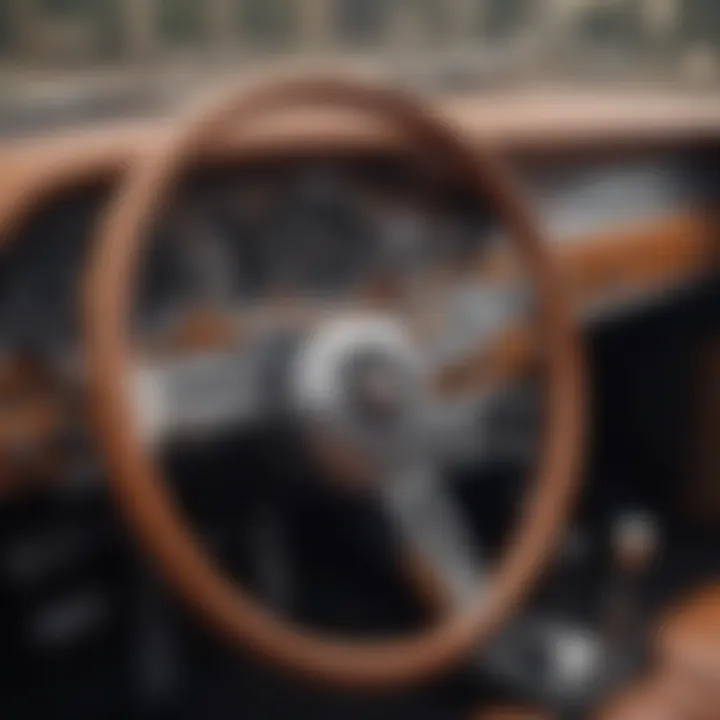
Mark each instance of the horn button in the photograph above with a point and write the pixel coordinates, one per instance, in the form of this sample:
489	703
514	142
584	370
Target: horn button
357	380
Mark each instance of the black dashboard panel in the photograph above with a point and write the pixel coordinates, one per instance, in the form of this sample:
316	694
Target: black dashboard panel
41	273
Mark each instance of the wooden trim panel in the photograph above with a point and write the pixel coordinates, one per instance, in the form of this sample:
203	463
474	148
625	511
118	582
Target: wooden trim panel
640	258
612	269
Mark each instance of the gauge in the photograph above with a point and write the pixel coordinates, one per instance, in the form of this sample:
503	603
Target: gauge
323	240
208	259
407	238
40	294
200	258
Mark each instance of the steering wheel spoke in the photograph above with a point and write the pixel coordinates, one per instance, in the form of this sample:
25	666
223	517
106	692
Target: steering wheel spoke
481	337
437	543
196	395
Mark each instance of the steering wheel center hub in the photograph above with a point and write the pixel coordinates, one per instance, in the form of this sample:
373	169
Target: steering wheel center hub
359	375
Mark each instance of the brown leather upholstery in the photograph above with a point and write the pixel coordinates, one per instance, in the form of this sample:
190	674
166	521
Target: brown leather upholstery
667	696
686	685
643	702
689	649
689	634
509	713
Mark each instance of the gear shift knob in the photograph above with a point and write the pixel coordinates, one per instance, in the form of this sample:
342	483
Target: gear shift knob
635	541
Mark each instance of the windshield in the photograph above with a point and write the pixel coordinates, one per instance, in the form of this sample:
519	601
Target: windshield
74	60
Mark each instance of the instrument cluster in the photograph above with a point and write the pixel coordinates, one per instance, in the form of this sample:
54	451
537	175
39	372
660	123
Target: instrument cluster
235	236
315	230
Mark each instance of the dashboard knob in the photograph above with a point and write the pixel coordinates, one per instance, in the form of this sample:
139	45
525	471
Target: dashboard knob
635	540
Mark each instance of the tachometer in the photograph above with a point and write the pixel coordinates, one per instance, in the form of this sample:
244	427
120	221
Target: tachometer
322	240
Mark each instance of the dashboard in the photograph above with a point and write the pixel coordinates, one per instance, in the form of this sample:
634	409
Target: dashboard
321	229
630	234
232	236
327	229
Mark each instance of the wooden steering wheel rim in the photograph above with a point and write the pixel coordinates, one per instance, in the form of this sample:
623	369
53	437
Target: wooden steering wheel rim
137	481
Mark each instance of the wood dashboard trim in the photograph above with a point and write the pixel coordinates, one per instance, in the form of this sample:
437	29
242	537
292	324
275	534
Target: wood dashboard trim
617	268
640	257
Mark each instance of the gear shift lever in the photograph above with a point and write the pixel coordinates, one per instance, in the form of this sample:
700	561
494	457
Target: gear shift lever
635	541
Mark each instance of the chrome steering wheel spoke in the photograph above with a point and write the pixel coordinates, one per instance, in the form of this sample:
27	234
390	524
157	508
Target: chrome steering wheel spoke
435	536
196	396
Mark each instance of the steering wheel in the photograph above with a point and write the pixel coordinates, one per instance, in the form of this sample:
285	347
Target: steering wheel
330	337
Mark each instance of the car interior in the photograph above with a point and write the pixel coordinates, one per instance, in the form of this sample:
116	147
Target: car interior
328	398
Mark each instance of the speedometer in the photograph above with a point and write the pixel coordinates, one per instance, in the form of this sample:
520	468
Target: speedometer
322	241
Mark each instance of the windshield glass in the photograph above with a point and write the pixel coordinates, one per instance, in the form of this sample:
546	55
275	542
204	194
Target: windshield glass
69	60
